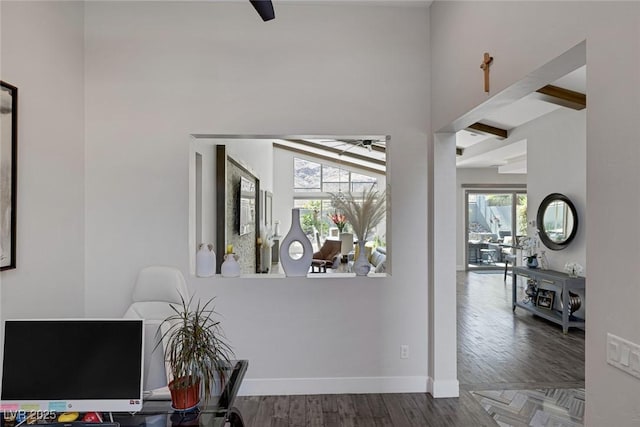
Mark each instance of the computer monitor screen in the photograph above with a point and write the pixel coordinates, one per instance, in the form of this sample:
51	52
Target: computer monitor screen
73	365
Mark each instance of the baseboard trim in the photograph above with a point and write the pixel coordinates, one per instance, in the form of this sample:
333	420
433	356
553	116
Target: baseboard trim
443	388
340	385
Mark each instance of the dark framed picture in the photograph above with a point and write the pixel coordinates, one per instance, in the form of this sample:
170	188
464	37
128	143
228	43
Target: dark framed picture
545	298
8	173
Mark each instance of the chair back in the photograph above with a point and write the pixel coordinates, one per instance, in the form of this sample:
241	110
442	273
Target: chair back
156	288
347	243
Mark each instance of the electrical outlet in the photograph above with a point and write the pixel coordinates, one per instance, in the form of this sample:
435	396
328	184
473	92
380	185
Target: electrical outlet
623	354
404	351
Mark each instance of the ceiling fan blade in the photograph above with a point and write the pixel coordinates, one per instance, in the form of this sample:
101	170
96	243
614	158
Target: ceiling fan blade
351	146
264	9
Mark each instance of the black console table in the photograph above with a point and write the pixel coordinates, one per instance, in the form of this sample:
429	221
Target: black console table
218	411
561	284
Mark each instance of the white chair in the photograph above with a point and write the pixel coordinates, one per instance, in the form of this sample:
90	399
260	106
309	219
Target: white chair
156	287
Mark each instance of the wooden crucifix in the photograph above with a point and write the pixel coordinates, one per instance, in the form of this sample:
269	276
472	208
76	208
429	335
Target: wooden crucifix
486	64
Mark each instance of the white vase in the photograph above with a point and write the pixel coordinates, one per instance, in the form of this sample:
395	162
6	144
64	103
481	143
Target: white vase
296	267
230	266
361	265
205	261
265	259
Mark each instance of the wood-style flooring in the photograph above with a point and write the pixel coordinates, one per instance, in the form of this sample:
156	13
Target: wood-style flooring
497	350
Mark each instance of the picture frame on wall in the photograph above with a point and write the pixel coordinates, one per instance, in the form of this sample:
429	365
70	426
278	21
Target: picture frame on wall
8	174
545	298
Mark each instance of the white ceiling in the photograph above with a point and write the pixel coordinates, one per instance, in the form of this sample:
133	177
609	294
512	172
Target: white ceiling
486	151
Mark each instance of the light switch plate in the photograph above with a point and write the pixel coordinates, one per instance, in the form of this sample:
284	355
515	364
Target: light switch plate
623	354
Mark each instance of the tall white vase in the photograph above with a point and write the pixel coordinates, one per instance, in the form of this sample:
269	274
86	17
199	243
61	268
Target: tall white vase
265	259
296	267
361	265
205	261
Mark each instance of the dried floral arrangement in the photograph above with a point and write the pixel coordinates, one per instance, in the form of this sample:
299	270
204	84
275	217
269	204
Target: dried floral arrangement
363	213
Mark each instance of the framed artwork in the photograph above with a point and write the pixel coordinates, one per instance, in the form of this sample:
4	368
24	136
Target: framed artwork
8	174
545	298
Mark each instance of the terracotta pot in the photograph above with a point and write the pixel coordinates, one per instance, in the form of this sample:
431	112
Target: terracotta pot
184	396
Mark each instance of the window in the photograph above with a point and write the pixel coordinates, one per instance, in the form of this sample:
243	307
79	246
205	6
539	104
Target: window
307	175
314	182
310	176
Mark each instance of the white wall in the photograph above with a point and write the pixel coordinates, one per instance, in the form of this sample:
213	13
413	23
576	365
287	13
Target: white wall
522	36
158	71
283	186
475	176
254	154
43	55
556	163
208	202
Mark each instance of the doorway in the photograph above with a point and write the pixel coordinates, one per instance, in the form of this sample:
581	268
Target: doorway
494	220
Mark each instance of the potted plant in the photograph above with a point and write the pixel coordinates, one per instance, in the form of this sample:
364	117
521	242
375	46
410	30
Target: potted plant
196	351
529	246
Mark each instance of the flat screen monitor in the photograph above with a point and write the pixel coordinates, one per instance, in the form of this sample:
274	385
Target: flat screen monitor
77	365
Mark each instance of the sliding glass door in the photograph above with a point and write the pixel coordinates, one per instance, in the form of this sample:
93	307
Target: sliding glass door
494	220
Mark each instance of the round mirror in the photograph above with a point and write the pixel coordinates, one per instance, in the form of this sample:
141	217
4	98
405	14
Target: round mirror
557	221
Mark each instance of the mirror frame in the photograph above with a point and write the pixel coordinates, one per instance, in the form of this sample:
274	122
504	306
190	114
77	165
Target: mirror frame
544	237
9	173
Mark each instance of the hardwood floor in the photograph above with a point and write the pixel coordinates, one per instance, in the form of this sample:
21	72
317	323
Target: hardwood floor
497	346
497	350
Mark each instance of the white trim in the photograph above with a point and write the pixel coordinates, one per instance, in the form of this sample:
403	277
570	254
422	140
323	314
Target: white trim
459	267
341	385
443	388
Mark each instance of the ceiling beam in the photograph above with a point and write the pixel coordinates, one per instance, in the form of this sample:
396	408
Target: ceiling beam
563	97
329	158
488	130
338	151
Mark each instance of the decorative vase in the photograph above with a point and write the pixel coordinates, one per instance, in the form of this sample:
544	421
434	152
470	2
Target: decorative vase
575	302
205	261
230	266
361	266
276	229
296	267
265	258
532	262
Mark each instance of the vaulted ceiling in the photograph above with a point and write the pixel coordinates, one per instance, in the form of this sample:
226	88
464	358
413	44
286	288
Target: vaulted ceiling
362	152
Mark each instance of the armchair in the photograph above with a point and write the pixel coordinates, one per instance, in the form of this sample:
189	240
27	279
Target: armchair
329	252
